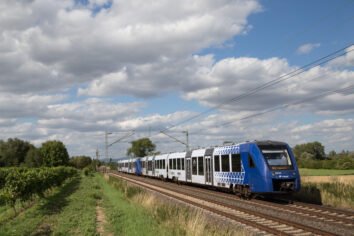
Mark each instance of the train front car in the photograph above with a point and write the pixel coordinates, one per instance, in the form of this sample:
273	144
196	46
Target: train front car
276	167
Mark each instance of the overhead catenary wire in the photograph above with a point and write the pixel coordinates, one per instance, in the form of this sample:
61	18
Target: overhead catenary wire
273	82
283	106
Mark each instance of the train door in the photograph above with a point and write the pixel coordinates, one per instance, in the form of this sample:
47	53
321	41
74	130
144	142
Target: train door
188	170
153	166
208	170
188	167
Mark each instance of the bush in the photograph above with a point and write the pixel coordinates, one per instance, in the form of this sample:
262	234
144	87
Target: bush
86	171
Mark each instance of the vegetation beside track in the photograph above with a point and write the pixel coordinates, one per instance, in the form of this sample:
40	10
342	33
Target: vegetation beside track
70	209
332	192
324	172
133	206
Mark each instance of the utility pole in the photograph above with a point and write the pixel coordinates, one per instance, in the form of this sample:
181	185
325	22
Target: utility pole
106	144
97	153
187	146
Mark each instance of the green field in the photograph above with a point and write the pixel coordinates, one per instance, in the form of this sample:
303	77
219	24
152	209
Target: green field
71	209
324	172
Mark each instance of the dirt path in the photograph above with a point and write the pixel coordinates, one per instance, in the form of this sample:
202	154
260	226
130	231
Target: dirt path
101	222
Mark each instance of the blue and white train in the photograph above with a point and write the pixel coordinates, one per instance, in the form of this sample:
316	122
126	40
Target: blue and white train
259	167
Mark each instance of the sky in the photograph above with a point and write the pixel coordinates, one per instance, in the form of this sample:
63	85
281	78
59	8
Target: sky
72	70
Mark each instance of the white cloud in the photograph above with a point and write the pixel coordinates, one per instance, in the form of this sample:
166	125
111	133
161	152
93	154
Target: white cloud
60	44
307	48
345	60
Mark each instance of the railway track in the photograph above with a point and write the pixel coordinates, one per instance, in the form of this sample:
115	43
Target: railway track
215	202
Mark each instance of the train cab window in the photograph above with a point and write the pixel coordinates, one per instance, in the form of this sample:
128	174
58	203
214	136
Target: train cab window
251	163
225	163
194	165
200	166
178	163
163	164
217	163
182	163
236	162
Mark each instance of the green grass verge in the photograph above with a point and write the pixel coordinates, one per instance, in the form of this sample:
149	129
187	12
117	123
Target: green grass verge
324	172
123	216
69	210
132	211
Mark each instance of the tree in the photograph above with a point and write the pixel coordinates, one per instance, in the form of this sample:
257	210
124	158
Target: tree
54	153
332	154
316	149
34	158
80	162
13	152
141	147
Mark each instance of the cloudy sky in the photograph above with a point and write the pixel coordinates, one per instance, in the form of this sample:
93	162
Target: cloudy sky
72	69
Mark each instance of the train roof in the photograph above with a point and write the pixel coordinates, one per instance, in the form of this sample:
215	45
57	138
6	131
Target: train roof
199	150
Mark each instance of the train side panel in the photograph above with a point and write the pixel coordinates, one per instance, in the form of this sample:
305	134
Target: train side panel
176	166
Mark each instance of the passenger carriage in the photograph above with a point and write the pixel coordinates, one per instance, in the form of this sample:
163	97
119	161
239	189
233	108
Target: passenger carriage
160	166
176	166
259	167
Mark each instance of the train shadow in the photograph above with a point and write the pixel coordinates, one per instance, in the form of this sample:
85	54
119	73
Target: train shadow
307	194
55	203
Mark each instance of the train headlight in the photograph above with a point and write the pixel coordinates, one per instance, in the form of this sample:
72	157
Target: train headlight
273	173
294	173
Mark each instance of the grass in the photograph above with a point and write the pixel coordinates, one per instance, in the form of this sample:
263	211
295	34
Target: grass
71	210
324	172
335	194
154	216
68	210
328	187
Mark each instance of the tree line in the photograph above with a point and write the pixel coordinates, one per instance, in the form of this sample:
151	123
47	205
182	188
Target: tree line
19	153
312	155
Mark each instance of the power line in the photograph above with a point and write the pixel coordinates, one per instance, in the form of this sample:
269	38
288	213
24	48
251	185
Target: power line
282	78
283	106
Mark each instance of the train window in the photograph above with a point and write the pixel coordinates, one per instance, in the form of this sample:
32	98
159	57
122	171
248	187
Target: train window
225	163
170	164
149	165
217	163
200	166
251	163
194	165
163	164
160	164
178	163
236	162
182	162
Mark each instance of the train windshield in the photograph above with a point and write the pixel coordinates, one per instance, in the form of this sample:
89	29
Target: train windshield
278	159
